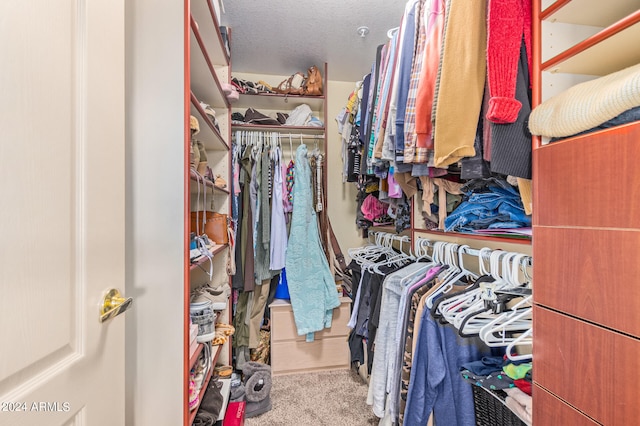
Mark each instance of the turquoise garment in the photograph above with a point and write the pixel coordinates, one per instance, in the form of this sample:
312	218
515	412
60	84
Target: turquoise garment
311	286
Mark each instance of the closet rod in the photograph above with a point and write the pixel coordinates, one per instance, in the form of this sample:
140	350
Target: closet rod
286	135
466	250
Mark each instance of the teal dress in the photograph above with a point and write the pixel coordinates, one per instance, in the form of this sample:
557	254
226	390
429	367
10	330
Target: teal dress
311	286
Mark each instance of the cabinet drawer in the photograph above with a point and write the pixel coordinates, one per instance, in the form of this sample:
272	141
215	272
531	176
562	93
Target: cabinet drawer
298	356
597	282
589	180
283	325
549	410
594	369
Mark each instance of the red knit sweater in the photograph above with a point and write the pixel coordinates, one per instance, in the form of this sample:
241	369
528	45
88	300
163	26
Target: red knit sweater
508	22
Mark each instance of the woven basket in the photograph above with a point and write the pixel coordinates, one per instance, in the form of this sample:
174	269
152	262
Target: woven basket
490	409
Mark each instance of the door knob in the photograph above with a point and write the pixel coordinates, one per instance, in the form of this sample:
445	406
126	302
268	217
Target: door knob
113	304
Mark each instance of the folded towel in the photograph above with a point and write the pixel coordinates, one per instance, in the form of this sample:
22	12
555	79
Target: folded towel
587	105
518	409
521	398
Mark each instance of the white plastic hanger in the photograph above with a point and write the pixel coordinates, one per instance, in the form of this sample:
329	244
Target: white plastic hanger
456	308
525	339
459	272
485	321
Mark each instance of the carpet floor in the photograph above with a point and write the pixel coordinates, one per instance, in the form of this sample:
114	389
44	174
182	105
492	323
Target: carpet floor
324	398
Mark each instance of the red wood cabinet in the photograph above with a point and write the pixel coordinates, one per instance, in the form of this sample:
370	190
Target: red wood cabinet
586	227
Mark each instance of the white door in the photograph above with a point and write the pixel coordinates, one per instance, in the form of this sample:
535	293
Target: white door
61	211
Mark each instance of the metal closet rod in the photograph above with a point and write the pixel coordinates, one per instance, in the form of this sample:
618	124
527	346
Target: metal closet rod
470	251
286	135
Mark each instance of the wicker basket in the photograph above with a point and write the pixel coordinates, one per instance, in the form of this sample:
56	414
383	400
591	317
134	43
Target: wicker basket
490	409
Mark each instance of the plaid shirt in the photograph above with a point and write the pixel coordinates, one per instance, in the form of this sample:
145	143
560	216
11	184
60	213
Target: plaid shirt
416	68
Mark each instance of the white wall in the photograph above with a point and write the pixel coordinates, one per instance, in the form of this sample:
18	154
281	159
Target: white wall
341	196
154	209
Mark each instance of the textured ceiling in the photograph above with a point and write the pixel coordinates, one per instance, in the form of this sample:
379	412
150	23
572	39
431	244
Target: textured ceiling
284	36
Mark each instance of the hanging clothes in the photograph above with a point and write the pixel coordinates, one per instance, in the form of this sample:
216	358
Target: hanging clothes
426	86
416	69
435	383
311	286
404	75
511	142
461	84
384	347
279	237
508	67
263	219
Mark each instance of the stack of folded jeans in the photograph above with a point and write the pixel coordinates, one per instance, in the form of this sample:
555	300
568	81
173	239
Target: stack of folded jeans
491	203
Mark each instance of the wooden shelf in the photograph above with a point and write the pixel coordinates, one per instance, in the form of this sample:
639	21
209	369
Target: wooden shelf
310	130
192	414
208	134
281	103
210	32
213	250
196	354
204	80
589	12
195	178
612	49
505	239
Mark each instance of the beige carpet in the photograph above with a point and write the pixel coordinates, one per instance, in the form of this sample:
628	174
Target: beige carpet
326	398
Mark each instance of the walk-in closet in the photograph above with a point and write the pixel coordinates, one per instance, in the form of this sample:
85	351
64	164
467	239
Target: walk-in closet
237	213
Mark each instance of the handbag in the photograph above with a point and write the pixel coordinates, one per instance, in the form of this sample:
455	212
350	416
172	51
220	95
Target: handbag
313	84
293	85
214	224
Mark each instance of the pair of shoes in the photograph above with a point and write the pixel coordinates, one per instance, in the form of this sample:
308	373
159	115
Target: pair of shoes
254	409
219	338
223	371
226	329
217	296
202	313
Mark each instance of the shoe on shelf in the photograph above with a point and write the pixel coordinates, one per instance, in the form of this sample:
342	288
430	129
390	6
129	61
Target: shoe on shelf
194	125
202	313
223	371
220	182
225	329
194	399
218	296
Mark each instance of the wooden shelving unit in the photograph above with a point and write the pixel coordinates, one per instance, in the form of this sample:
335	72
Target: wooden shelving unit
207	69
579	327
273	102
